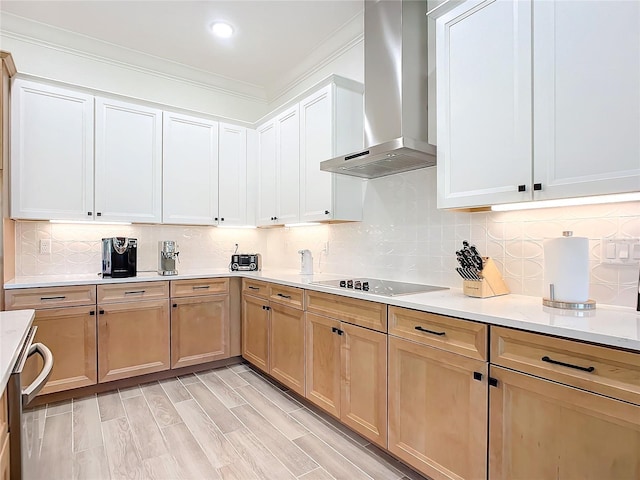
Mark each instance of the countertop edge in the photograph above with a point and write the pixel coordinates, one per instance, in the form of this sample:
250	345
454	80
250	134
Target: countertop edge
451	302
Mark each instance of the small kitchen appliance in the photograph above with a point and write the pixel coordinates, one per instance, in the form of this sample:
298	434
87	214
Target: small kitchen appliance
245	262
119	257
306	262
167	256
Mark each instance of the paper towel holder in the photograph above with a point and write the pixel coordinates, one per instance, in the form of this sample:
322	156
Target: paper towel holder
552	302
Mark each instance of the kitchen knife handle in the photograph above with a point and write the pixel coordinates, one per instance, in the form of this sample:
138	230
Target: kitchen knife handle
419	328
577	367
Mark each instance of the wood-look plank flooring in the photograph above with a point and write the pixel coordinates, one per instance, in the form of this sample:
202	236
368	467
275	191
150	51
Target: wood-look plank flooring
227	423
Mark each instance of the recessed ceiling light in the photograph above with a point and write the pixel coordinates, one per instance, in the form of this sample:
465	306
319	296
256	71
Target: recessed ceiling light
222	30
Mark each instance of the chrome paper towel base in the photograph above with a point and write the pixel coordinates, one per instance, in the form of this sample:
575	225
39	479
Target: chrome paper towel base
552	302
588	305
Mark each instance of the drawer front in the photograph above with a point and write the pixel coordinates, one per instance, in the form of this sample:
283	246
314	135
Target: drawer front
199	286
604	370
292	296
351	310
447	333
132	292
255	288
50	297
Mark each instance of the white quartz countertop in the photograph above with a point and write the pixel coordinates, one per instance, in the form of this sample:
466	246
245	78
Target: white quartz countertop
607	325
14	327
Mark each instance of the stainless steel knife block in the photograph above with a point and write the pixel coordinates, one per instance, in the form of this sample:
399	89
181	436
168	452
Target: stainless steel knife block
490	285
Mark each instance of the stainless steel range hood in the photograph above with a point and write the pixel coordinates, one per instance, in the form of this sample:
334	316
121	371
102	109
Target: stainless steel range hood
395	97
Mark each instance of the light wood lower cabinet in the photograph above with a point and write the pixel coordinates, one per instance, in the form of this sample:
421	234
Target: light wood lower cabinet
133	339
70	334
542	429
438	410
323	363
255	331
5	464
199	330
347	374
286	346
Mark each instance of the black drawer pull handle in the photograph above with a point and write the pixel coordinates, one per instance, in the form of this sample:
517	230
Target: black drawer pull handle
92	312
429	331
175	305
134	292
202	287
253	288
284	296
577	367
477	376
101	312
62	297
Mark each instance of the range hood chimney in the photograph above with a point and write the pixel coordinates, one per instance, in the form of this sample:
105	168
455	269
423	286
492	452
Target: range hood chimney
395	93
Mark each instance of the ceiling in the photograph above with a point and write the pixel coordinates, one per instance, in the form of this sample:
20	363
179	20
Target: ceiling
271	37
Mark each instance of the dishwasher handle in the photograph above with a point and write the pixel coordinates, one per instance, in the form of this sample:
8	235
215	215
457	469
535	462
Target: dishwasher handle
29	393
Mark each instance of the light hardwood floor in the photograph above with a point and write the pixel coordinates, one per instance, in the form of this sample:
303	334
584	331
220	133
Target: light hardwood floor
227	423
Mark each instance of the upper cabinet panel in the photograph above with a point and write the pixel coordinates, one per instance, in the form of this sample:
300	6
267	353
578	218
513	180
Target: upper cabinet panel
51	153
190	170
483	52
128	162
586	97
232	192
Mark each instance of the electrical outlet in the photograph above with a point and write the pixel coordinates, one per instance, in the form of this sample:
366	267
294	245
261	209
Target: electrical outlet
45	246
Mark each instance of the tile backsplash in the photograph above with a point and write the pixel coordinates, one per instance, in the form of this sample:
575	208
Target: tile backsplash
403	236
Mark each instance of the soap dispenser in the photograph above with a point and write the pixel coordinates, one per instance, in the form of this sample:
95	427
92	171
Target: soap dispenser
306	262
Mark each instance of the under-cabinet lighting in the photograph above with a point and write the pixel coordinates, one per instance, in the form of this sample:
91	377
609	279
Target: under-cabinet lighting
568	202
237	226
89	222
302	224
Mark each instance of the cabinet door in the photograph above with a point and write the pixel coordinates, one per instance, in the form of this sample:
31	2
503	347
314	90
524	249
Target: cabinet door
190	170
483	68
316	138
267	165
364	382
586	98
437	411
286	352
233	175
542	429
5	462
133	339
323	363
199	330
70	334
128	162
255	332
51	153
288	166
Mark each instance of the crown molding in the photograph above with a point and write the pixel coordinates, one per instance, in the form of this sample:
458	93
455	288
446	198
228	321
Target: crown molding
70	43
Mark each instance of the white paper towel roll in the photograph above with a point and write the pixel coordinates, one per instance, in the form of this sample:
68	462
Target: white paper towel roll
566	266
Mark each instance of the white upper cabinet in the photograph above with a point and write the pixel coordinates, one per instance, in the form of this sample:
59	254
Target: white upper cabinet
483	68
586	97
51	153
128	159
279	169
190	170
331	124
266	208
232	193
537	100
288	166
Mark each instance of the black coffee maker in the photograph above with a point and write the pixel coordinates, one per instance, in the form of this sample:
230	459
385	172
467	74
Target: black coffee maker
119	257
